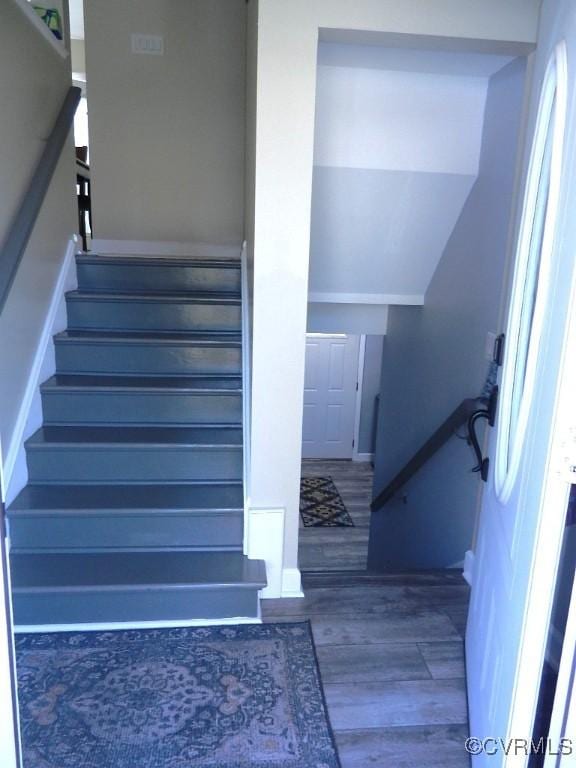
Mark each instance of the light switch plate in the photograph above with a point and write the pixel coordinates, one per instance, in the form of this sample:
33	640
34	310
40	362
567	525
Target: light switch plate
153	45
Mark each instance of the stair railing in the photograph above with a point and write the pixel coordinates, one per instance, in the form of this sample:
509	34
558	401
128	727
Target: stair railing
461	415
23	223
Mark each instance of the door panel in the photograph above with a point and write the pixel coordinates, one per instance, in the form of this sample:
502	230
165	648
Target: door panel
524	502
329	396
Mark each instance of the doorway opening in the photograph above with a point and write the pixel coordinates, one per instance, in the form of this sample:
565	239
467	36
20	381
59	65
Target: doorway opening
81	133
342	379
415	165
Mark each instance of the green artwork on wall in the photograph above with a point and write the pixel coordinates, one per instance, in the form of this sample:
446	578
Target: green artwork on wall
51	17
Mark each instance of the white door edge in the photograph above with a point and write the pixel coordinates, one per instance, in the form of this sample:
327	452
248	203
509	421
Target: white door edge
548	544
359	386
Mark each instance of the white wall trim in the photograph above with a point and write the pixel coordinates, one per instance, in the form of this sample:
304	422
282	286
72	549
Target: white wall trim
291	583
469	561
315	297
10	741
264	532
112	625
29	417
56	45
359	388
362	457
166	248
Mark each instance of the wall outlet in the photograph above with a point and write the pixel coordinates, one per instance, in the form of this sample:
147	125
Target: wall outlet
490	344
153	45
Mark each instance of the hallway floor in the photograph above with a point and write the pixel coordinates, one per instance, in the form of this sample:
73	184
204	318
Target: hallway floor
390	649
340	549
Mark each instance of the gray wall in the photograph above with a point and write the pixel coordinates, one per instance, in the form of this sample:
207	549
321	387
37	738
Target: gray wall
434	357
347	318
167	132
34	80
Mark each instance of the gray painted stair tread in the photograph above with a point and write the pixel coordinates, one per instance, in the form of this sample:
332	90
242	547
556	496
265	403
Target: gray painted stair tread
134	507
135	498
345	578
63	381
134	570
159	297
206	437
160	261
380	599
213	338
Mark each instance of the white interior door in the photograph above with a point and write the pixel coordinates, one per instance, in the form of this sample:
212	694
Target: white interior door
524	502
331	376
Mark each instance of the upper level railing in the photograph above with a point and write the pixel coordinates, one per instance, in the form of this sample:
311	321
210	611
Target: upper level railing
23	223
461	415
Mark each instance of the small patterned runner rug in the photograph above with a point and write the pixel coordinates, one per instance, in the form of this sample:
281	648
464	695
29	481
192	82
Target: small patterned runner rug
321	504
224	697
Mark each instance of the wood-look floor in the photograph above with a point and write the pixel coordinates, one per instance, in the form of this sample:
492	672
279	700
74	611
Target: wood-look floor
390	650
327	549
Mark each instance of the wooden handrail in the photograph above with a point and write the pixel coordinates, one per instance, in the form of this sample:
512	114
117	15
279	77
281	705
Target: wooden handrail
21	228
430	447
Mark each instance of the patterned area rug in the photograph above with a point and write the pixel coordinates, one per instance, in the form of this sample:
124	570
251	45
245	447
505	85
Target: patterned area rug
321	504
224	697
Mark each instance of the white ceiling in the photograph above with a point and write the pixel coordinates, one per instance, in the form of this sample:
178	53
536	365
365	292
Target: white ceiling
458	63
76	19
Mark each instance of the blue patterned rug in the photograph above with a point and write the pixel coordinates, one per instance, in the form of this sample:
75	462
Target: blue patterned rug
223	697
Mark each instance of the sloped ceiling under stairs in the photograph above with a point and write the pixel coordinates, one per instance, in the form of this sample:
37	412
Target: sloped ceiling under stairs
397	149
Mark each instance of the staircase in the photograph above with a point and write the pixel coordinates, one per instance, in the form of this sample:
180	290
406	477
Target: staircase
134	507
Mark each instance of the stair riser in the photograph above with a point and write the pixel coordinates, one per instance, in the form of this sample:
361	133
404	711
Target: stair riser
157	530
85	314
116	605
150	464
161	359
133	408
127	278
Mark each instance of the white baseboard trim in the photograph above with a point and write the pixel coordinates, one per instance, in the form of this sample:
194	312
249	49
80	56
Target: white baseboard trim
469	560
166	248
29	417
118	625
362	457
291	583
265	541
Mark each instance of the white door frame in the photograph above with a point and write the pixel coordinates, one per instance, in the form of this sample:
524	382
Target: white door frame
565	696
356	455
10	751
548	544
